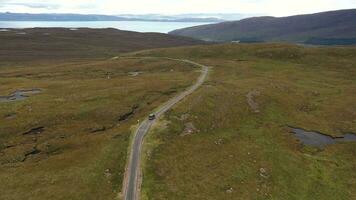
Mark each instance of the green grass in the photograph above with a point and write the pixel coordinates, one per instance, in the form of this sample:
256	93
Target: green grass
311	88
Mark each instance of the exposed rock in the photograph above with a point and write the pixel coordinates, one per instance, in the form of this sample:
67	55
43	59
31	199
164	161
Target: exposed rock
219	142
189	129
107	173
135	73
262	170
251	100
263	173
230	190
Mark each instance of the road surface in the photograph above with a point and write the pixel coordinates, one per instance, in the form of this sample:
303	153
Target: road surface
132	180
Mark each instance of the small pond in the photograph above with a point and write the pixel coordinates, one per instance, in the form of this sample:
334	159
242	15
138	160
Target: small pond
19	95
317	139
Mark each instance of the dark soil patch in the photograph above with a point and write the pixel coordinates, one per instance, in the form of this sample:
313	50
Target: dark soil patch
129	114
100	129
34	131
32	152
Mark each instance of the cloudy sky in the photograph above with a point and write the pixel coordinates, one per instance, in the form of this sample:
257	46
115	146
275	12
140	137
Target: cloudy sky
267	7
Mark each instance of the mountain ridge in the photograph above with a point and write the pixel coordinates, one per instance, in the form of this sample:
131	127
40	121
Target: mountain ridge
336	25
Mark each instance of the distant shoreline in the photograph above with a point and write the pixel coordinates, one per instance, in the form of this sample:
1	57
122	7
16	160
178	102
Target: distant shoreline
137	26
212	22
92	17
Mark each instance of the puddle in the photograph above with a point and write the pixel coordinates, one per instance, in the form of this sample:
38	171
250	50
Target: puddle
4	30
73	29
347	137
316	139
21	33
19	95
135	73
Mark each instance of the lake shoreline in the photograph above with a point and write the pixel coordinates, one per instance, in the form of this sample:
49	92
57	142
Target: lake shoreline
137	26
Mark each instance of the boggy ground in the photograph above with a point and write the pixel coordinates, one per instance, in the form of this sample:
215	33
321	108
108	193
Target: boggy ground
70	141
239	145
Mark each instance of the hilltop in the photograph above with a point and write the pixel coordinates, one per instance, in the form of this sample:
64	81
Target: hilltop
333	27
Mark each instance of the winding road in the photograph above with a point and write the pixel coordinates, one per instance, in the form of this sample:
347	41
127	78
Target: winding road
132	180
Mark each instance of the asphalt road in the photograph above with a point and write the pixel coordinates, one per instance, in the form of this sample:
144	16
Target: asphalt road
132	177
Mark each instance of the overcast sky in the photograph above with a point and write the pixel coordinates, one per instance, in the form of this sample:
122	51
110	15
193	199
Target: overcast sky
267	7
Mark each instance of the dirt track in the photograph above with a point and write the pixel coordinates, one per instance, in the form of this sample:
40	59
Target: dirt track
132	182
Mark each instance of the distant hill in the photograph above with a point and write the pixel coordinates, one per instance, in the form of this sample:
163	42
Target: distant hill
78	17
334	27
216	17
60	43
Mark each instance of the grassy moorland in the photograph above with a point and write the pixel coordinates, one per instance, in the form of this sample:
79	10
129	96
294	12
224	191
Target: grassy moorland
70	141
230	139
61	43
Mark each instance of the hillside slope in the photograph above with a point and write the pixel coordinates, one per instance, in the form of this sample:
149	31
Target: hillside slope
334	27
59	43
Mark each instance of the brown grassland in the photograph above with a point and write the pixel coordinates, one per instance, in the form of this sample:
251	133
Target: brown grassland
216	144
81	121
228	140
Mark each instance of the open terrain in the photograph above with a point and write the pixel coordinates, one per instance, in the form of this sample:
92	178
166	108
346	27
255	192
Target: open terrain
231	139
326	28
68	109
62	43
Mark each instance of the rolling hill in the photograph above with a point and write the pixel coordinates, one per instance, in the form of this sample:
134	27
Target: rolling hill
333	27
59	43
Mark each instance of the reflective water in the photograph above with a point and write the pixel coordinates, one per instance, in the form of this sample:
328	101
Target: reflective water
316	139
139	26
19	95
